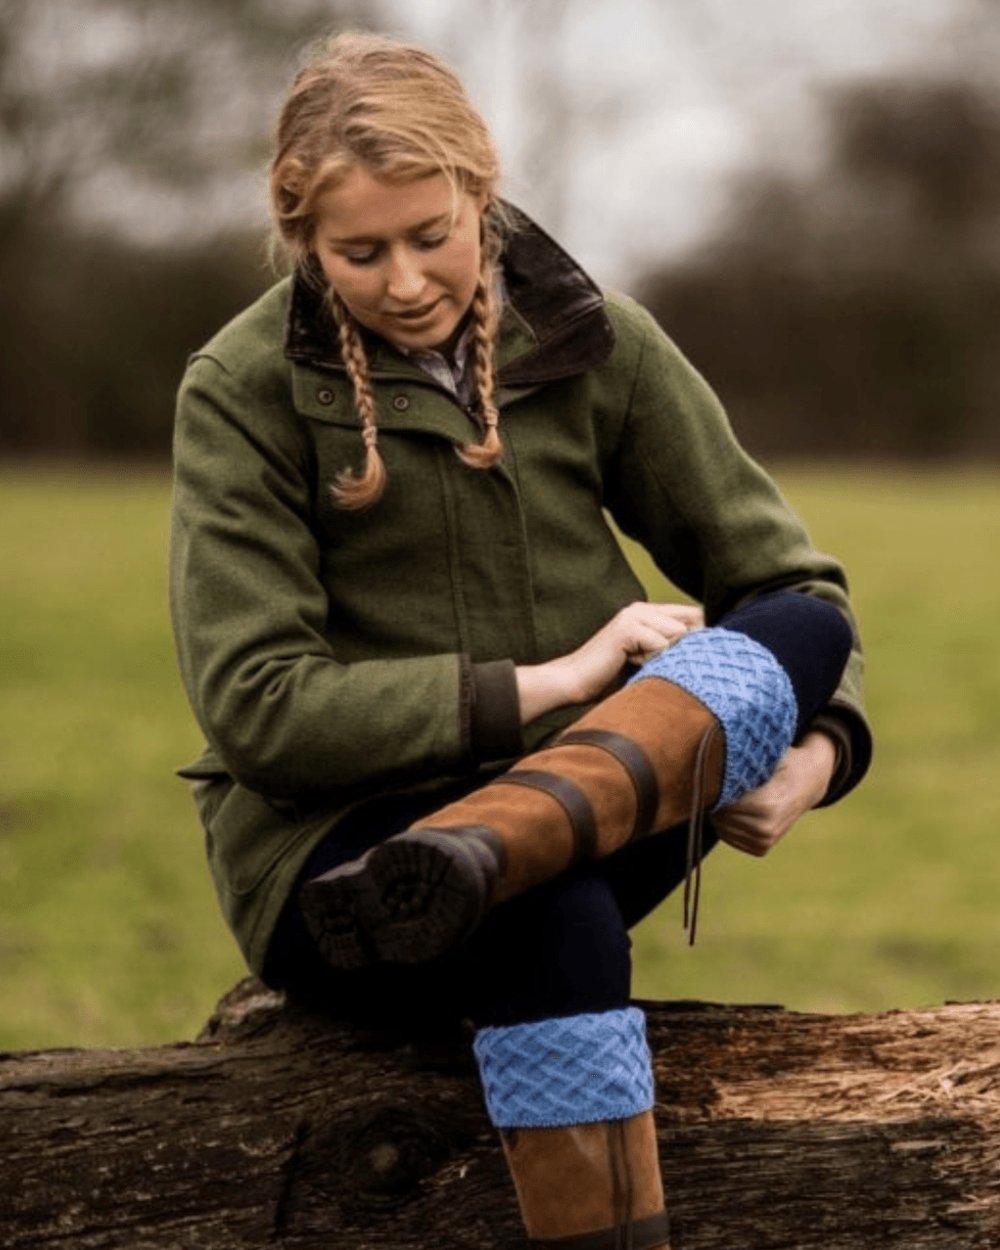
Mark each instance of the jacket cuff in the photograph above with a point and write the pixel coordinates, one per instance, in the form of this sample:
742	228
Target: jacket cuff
853	740
495	713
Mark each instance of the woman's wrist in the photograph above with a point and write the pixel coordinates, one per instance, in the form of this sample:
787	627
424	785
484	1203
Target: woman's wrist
542	688
818	755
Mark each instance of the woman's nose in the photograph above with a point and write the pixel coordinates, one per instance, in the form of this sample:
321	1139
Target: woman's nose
405	280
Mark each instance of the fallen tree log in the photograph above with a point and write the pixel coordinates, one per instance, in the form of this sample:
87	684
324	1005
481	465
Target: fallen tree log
278	1128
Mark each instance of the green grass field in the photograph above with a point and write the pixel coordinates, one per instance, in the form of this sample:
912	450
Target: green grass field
108	929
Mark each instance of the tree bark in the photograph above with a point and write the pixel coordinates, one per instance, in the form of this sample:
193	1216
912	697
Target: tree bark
278	1128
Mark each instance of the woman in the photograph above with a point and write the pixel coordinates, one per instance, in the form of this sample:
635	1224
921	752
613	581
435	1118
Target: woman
394	589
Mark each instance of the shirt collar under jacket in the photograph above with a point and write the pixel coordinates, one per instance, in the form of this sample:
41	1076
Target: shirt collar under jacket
454	375
554	323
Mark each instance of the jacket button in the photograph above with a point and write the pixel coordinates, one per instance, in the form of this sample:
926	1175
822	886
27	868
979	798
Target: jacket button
401	402
325	396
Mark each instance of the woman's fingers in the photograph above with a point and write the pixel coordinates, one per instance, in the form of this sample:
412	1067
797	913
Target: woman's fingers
649	627
746	837
759	820
635	634
692	615
666	615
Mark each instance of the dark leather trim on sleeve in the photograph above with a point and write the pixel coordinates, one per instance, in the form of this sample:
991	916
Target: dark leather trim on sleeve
853	740
495	714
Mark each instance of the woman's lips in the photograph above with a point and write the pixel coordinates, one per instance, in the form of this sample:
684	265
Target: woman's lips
416	314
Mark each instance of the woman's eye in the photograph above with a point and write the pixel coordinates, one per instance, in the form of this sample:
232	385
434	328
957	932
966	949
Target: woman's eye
359	258
429	242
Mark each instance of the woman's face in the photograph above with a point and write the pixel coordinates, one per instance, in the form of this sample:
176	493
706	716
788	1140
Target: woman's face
403	257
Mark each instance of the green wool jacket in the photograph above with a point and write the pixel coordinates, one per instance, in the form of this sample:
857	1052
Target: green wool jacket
331	657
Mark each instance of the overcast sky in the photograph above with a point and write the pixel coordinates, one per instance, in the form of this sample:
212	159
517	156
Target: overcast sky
621	122
668	98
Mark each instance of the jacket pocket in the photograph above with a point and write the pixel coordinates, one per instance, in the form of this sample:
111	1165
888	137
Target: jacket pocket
247	834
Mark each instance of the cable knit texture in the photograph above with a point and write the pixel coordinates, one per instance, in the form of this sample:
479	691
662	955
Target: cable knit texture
568	1070
748	692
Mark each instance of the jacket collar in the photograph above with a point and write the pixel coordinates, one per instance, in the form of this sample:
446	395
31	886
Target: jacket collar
554	322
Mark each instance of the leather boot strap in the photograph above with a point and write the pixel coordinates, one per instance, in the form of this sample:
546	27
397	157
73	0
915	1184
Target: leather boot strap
646	1234
636	763
571	798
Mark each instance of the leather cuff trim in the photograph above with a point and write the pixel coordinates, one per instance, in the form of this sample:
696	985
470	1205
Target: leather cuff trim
495	713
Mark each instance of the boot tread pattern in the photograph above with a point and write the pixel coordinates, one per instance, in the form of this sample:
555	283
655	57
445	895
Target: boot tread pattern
406	900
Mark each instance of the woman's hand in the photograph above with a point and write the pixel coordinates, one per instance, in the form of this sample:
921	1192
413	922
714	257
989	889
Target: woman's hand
759	820
634	634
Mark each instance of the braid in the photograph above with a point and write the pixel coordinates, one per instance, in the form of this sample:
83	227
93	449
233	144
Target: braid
354	491
485	318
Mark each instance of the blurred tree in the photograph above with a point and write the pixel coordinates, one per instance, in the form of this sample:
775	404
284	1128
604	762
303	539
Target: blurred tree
106	99
132	134
859	312
934	145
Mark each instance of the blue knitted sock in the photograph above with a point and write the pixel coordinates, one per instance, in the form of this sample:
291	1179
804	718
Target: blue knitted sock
748	692
567	1070
810	639
764	672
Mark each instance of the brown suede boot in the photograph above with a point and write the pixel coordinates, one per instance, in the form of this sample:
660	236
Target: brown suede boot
590	1186
573	1099
704	722
598	1183
643	759
639	761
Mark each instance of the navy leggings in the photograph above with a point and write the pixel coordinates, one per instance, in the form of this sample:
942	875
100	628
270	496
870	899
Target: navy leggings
558	950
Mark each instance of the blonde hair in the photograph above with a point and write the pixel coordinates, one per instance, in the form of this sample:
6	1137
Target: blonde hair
401	114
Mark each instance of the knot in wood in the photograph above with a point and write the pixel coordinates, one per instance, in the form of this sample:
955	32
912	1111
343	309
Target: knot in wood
379	1161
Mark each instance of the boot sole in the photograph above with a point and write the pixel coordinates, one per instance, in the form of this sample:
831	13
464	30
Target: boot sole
408	900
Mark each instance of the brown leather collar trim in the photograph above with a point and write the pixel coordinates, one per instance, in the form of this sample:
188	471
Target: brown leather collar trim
558	302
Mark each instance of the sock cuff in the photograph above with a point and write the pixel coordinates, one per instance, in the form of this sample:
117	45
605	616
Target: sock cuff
567	1070
745	688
